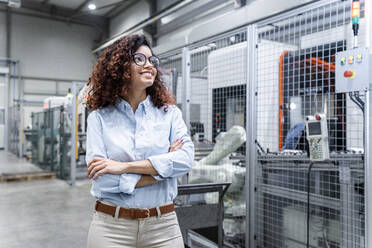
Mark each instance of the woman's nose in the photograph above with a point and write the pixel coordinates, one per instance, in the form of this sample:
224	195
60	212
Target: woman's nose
148	64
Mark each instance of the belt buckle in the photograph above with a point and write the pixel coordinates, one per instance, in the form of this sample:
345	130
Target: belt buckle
147	214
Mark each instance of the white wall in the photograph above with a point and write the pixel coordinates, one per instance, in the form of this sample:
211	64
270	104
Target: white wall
48	49
130	17
53	49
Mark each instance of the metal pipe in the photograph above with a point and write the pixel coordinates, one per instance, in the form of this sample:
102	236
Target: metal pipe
13	79
150	20
7	32
8	60
21	116
368	170
57	80
42	94
186	82
368	138
251	152
73	135
29	101
6	112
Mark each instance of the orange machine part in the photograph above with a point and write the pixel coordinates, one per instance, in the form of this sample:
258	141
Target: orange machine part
320	65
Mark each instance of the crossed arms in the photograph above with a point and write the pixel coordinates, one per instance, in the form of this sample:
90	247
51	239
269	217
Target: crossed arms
123	177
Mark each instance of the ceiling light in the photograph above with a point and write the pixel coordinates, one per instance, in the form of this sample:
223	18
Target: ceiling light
92	6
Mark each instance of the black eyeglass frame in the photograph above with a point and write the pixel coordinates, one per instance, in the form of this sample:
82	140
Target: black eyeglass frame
149	58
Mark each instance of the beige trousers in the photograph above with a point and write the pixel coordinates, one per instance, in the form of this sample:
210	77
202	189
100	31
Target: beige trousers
156	232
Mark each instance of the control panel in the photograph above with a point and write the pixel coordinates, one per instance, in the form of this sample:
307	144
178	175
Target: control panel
317	135
353	70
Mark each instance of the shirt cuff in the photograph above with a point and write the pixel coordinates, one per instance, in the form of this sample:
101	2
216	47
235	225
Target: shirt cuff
128	182
158	177
107	183
162	164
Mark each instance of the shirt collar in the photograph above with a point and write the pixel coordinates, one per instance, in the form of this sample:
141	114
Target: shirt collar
122	104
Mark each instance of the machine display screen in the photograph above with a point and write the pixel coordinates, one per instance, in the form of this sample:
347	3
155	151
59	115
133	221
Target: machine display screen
314	128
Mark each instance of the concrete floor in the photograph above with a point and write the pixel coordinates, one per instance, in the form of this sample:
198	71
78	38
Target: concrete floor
42	214
10	163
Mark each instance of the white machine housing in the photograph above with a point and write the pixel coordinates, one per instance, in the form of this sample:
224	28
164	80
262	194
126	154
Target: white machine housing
317	135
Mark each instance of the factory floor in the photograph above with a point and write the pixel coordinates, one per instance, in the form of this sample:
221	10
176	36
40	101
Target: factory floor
42	213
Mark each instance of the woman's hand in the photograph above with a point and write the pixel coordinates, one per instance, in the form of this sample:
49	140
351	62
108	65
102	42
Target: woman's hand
177	144
99	166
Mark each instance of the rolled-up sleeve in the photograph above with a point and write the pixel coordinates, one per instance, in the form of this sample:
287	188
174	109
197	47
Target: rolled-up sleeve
95	147
179	162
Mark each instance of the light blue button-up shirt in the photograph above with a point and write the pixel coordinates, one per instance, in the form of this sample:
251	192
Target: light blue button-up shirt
116	133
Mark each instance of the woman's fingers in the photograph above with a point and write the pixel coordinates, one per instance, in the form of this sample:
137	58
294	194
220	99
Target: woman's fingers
176	145
96	169
173	145
95	159
92	165
99	173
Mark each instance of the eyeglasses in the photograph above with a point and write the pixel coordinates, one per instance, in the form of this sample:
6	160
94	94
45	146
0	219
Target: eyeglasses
140	60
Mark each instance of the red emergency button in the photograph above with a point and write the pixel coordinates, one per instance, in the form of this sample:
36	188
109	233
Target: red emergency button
317	117
349	74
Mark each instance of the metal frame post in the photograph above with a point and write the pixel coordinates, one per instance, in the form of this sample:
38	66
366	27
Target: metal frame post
20	102
73	139
74	131
368	170
368	135
73	135
251	136
5	72
186	83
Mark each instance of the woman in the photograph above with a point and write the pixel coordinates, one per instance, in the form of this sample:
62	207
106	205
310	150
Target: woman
132	165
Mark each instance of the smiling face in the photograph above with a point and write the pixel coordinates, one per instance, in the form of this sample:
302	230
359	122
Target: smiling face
143	76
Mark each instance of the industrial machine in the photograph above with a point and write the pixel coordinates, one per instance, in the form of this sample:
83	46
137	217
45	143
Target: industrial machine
307	81
310	169
51	135
219	167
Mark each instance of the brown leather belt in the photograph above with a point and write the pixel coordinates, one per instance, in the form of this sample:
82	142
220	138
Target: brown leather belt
133	213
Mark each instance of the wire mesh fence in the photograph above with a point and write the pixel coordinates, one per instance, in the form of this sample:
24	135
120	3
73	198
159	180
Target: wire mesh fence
14	121
295	73
218	76
298	203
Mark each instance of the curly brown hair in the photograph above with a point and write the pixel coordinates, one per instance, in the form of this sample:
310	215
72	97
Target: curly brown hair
110	78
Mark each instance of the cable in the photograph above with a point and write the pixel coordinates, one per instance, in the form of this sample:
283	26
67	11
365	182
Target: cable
260	149
357	97
356	101
360	103
325	238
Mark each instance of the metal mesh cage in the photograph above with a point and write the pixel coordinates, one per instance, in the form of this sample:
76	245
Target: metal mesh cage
14	129
295	74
